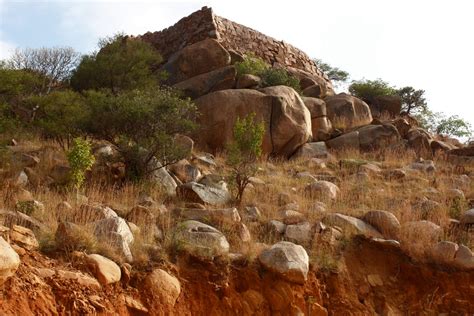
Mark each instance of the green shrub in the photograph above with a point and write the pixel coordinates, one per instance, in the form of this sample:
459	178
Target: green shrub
270	76
251	65
244	151
367	90
61	115
142	125
120	64
279	77
80	160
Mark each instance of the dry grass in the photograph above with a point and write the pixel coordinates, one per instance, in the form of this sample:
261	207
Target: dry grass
283	190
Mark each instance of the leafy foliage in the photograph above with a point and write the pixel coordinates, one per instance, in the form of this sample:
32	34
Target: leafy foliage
277	76
54	64
80	160
333	73
142	124
120	64
251	65
412	100
270	76
244	151
439	123
368	90
61	115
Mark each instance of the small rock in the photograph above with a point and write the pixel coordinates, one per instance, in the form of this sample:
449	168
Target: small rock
322	189
24	237
163	287
9	261
104	269
288	260
300	233
385	222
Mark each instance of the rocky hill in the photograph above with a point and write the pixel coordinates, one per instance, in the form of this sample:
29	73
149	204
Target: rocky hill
353	210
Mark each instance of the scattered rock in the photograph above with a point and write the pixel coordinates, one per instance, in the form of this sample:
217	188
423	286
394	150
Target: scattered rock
351	225
185	171
104	269
464	258
385	222
288	260
299	233
9	261
23	237
162	286
200	240
200	193
312	150
117	233
444	252
322	189
90	213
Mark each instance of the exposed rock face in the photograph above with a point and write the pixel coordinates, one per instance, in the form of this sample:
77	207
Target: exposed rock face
321	126
345	141
288	260
287	121
386	105
9	261
346	111
312	150
219	79
238	40
196	59
23	237
200	240
377	136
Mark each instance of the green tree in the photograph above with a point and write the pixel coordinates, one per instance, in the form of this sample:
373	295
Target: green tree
80	160
454	126
141	123
61	115
333	73
368	90
412	100
244	151
122	63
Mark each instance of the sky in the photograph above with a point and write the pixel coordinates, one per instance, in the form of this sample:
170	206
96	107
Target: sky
425	44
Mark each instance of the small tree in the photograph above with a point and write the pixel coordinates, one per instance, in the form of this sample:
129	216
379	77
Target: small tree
412	100
244	151
454	126
122	63
368	90
251	65
80	160
54	64
61	115
278	76
333	73
142	125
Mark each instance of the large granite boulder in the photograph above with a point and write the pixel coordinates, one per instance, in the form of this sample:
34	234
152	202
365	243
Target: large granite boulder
346	111
377	136
195	59
117	233
386	105
320	125
219	79
348	141
289	261
287	120
200	240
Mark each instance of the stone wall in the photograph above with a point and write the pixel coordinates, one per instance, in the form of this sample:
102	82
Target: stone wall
233	36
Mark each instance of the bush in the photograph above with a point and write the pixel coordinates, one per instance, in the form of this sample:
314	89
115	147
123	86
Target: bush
80	160
61	115
121	64
368	90
279	77
251	65
270	76
243	152
141	123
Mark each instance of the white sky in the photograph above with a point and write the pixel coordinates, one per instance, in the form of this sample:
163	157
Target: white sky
425	44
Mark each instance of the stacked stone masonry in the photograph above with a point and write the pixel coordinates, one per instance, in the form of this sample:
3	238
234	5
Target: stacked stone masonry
204	24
